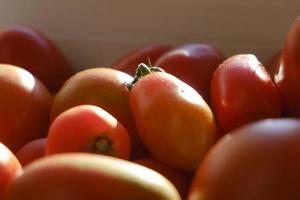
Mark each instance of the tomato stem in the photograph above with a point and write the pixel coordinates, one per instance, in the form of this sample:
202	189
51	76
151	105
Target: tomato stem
102	145
143	70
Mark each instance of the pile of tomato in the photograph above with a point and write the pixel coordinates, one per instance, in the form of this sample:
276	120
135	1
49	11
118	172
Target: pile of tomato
161	123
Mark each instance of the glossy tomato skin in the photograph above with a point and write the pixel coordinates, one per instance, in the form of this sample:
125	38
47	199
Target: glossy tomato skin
31	151
89	176
258	161
24	107
10	168
105	88
287	77
180	179
129	62
174	122
242	91
92	130
30	49
193	64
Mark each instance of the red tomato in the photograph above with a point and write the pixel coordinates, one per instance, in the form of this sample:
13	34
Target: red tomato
106	88
180	179
193	64
88	128
25	47
174	122
10	168
81	176
31	151
242	91
287	77
24	107
258	161
129	62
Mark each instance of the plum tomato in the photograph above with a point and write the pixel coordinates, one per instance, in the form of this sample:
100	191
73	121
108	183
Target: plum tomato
242	91
88	128
260	161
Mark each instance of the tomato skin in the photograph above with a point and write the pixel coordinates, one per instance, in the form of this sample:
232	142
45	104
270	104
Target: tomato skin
31	151
10	168
81	176
193	64
174	122
28	48
129	62
242	91
106	88
87	125
287	76
179	178
24	107
258	161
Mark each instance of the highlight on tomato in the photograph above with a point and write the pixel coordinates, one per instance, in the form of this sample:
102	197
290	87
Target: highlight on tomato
173	121
88	128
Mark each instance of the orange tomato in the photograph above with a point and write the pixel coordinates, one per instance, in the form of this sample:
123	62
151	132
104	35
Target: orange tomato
24	107
88	128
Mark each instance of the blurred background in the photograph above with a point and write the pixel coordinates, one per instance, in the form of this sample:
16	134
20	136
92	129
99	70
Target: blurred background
97	32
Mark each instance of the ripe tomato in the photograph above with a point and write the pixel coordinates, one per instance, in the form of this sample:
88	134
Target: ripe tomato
193	64
242	91
92	130
258	161
80	176
129	62
106	88
25	47
10	168
31	151
180	179
287	77
174	122
24	107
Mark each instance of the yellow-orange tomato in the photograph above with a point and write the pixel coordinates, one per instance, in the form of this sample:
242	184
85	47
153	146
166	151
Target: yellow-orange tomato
106	88
174	122
88	128
9	168
24	107
82	176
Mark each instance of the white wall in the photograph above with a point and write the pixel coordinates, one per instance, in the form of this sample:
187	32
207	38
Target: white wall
96	32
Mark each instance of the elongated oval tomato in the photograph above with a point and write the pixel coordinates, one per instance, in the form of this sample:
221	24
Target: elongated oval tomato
194	64
287	77
149	52
31	151
30	49
24	107
258	161
81	176
88	128
106	88
10	168
242	91
173	120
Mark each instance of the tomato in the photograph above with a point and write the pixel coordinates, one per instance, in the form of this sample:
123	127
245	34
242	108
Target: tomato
31	151
106	88
174	122
30	49
24	107
260	161
92	130
80	176
273	63
149	52
10	168
180	179
242	91
287	77
193	64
